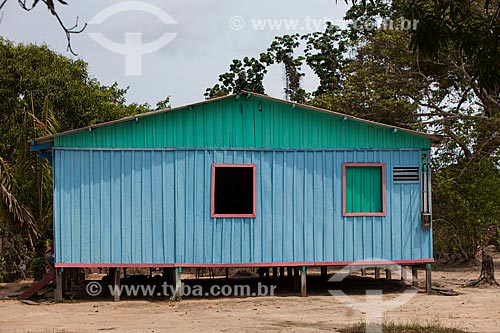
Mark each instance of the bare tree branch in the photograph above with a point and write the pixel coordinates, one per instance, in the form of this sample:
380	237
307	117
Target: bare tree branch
1	11
51	7
480	92
459	142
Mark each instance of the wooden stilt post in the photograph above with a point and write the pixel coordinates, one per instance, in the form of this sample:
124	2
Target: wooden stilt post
403	273
116	284
324	273
171	276
428	278
77	276
178	282
377	272
58	296
227	273
80	276
303	282
290	275
275	273
67	279
414	273
282	272
296	278
363	271
168	276
388	273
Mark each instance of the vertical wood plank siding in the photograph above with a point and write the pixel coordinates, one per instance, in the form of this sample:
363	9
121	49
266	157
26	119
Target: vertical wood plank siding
153	206
243	123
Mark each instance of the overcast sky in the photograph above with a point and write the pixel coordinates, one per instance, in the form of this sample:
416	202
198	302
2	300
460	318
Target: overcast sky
201	39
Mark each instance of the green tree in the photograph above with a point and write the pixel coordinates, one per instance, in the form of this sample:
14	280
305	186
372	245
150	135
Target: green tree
26	183
42	93
378	84
471	27
247	74
163	104
282	51
32	76
466	206
325	54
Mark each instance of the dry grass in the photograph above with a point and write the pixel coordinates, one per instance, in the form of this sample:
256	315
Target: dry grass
405	328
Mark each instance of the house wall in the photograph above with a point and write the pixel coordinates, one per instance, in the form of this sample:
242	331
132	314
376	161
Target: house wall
152	206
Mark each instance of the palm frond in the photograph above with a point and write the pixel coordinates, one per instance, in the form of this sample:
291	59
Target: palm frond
17	209
47	124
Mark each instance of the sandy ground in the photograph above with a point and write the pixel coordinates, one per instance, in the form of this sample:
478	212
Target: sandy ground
474	310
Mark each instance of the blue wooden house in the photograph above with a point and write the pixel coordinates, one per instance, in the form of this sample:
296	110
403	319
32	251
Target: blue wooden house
240	181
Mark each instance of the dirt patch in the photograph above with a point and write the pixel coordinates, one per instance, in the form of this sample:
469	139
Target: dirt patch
473	310
9	290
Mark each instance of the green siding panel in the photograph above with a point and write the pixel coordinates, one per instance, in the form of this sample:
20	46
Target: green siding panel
243	123
363	189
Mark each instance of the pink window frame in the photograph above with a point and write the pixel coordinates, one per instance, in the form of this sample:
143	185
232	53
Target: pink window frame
344	184
253	215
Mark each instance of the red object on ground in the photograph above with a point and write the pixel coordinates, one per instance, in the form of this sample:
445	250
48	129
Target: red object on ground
47	278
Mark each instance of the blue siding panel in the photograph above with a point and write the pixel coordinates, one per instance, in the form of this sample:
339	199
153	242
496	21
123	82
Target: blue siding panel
153	207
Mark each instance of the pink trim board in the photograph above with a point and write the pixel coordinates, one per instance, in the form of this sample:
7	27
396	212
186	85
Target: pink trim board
263	264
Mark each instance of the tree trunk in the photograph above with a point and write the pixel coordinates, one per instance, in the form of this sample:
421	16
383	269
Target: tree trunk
487	272
488	269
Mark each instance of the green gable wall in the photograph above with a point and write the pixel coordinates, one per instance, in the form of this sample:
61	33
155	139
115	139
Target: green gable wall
243	123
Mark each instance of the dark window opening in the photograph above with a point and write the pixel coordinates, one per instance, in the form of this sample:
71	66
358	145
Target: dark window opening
233	191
